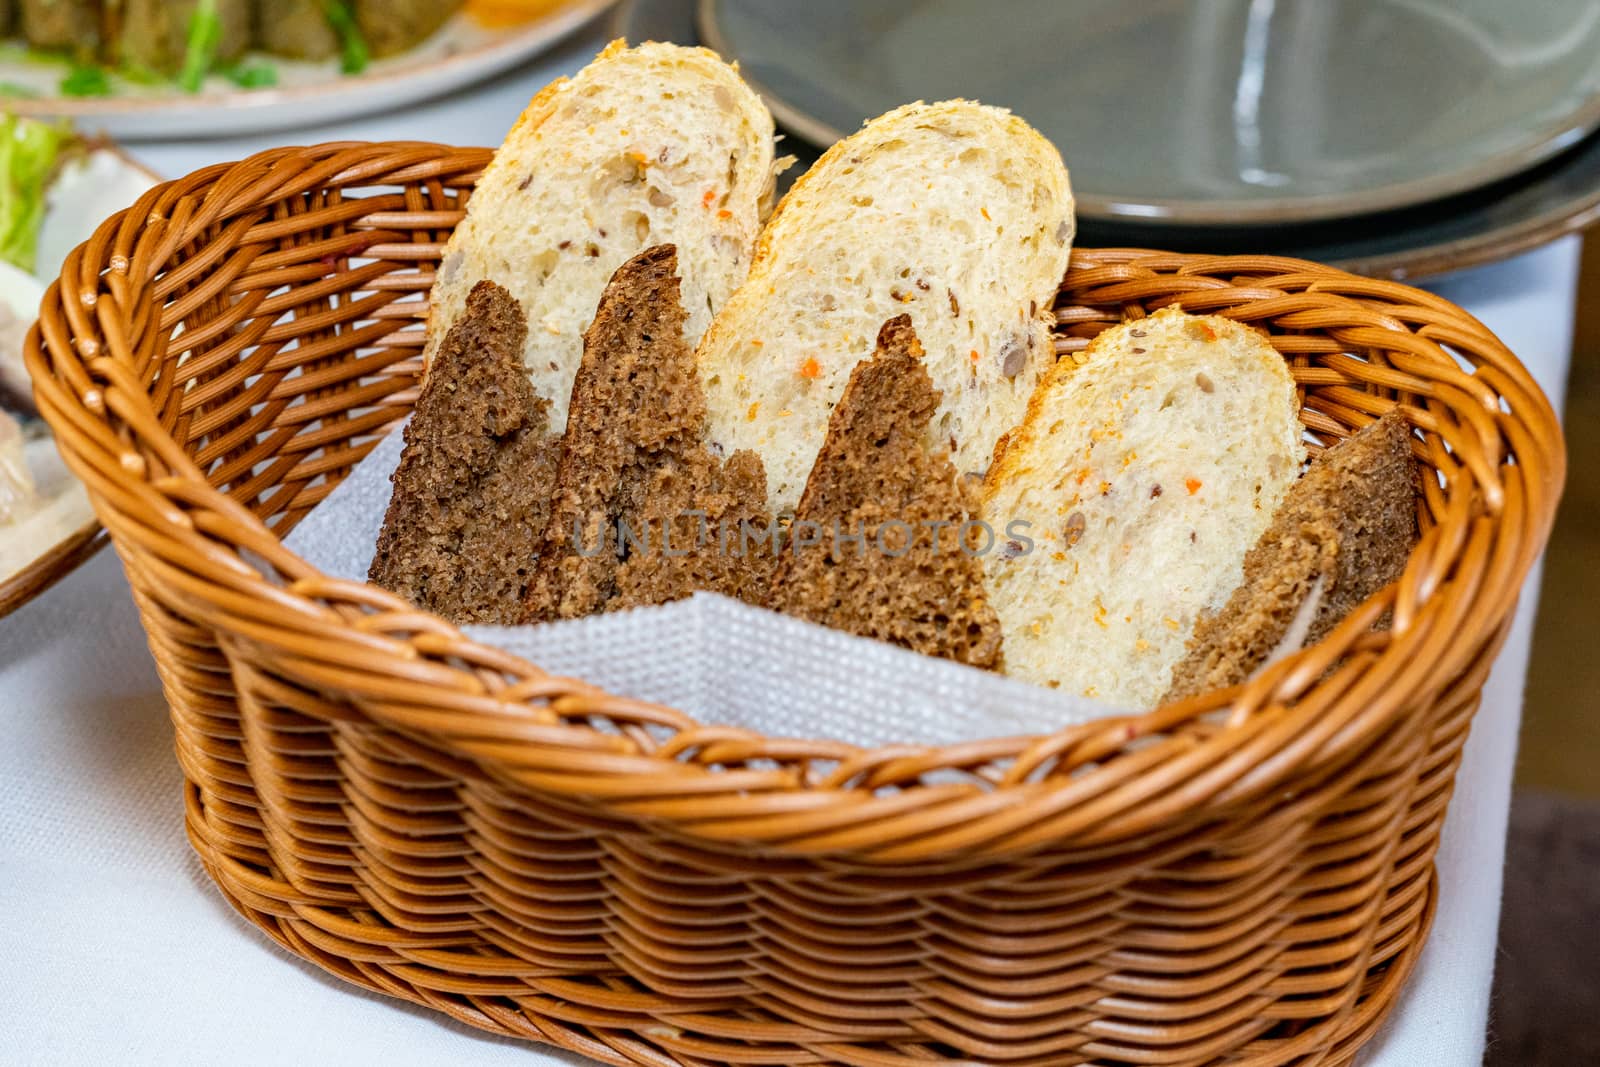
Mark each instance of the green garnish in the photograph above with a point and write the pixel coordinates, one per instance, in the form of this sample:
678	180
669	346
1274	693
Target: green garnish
353	54
255	75
86	79
15	91
141	75
200	47
28	154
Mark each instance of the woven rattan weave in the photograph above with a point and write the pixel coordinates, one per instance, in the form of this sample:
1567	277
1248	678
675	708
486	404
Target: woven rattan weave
1244	878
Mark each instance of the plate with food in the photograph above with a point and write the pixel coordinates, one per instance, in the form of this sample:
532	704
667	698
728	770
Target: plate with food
157	68
55	184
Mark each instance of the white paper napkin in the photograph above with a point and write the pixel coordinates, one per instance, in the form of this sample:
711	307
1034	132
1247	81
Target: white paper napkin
721	660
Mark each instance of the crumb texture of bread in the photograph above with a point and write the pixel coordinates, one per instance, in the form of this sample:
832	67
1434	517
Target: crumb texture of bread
471	493
645	146
876	548
632	456
954	213
1350	523
1146	468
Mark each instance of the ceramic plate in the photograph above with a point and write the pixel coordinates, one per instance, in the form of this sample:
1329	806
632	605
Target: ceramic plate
57	531
1223	112
1558	197
463	51
655	20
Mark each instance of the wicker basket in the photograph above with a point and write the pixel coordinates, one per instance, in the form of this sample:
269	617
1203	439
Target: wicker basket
1245	877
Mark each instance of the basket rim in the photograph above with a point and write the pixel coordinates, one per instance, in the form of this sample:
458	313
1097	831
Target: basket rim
1096	785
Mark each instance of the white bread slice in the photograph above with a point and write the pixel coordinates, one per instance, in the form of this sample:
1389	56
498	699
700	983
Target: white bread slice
957	214
1146	467
651	145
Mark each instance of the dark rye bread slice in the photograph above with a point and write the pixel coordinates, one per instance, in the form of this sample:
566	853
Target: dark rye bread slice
875	471
471	494
632	456
1343	532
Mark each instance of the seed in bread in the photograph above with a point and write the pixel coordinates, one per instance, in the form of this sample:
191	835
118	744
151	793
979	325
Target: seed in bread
1142	477
645	146
877	546
956	214
471	494
632	458
1343	532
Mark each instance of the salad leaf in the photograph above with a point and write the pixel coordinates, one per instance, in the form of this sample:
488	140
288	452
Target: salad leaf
200	48
139	74
353	53
86	79
254	75
28	154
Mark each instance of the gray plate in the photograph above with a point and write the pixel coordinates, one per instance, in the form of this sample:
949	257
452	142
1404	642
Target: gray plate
655	20
1554	198
1204	112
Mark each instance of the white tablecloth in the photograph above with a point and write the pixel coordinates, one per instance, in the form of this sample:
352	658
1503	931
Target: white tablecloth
115	948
